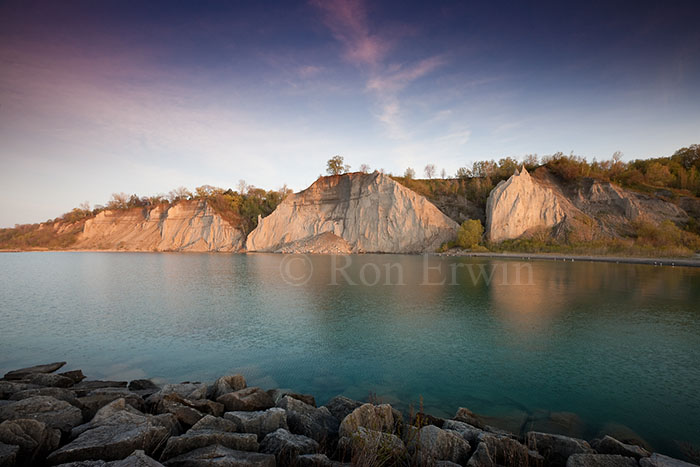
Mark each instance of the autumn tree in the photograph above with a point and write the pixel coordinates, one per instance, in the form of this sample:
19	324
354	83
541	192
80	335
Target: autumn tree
429	171
336	166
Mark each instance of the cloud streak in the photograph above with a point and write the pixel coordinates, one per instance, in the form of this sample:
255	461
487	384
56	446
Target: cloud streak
349	24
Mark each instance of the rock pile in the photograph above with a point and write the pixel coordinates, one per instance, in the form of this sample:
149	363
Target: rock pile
60	419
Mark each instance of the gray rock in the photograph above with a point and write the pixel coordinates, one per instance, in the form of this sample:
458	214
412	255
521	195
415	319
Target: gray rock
137	459
53	412
9	388
48	380
216	455
8	454
117	412
341	406
225	385
143	387
85	464
278	394
600	460
85	387
501	450
259	422
317	460
34	438
469	432
25	372
659	460
75	375
370	447
286	446
189	391
209	422
195	439
248	399
372	417
609	445
467	416
185	414
98	398
422	419
111	442
304	419
556	449
436	444
61	394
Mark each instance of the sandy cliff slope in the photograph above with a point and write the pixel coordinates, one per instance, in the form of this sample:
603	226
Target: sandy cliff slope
366	212
185	226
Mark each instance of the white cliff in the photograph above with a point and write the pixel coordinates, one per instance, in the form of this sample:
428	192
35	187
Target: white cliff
366	212
185	226
519	204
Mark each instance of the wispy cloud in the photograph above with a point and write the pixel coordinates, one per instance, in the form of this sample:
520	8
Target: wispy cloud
348	21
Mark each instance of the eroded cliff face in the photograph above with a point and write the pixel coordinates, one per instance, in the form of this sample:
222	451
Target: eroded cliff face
589	208
366	212
185	226
519	204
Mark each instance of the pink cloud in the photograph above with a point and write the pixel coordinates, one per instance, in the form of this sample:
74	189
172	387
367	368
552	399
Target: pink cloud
347	21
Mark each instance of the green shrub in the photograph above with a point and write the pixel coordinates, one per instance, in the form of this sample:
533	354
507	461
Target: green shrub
469	234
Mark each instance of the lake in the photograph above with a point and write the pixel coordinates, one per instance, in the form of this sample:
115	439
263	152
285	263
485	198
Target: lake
585	346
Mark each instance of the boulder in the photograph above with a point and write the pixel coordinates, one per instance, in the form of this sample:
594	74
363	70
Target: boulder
286	446
61	394
470	433
25	372
181	408
34	438
370	447
137	459
278	394
49	380
421	419
249	399
609	445
75	375
85	387
341	406
467	416
189	391
117	412
317	460
53	412
111	442
436	444
600	460
659	460
143	387
195	439
259	422
98	398
221	456
481	457
9	388
226	384
556	449
372	417
8	454
209	422
501	450
307	420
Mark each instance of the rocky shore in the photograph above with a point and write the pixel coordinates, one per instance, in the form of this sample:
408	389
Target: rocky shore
60	418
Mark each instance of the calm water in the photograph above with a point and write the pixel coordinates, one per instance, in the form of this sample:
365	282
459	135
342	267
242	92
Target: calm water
617	345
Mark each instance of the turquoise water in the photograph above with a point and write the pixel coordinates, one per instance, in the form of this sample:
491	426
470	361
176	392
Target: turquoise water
617	345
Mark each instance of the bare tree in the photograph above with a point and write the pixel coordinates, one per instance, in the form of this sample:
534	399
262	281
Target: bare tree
443	174
242	186
118	201
429	170
364	168
409	174
178	194
85	206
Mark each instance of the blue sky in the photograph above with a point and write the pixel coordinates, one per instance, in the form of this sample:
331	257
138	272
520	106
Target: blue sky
142	97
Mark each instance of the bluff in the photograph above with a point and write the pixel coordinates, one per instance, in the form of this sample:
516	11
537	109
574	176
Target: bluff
184	226
364	213
589	207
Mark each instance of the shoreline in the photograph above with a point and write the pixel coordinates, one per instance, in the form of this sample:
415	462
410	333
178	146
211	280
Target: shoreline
120	423
660	261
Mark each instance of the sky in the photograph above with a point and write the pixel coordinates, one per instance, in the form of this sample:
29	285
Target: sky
98	97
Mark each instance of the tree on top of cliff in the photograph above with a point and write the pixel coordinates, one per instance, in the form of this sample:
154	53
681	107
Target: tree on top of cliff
336	166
